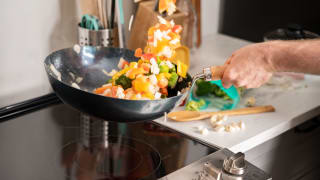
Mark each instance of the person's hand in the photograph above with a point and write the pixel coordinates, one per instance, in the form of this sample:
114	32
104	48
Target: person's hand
248	67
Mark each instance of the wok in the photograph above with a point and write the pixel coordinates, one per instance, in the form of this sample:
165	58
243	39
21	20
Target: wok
75	72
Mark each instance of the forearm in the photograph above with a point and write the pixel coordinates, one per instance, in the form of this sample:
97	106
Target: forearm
295	56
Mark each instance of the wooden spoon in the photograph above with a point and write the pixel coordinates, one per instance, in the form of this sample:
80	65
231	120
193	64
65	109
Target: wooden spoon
184	116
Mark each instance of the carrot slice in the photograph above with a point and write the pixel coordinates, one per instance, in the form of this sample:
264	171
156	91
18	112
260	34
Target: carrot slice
138	52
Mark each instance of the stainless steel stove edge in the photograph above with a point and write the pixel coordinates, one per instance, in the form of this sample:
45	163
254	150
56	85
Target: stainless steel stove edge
196	170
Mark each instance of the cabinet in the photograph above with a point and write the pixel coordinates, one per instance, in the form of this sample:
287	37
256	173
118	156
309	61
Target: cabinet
293	155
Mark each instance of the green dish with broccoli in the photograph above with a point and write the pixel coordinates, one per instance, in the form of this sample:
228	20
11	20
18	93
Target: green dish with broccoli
211	94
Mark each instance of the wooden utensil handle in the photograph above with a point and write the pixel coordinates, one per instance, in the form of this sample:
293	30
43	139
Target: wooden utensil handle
242	111
217	72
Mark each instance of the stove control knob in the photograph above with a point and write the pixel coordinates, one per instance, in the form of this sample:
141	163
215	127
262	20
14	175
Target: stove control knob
235	164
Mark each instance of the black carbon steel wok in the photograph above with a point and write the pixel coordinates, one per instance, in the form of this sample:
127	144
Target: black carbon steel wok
85	67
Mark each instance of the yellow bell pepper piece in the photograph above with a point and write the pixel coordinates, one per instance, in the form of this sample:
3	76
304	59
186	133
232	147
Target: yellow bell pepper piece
182	69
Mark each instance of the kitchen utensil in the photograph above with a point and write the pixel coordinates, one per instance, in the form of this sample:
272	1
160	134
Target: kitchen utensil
105	14
121	29
113	6
156	6
84	67
102	37
196	115
90	22
101	12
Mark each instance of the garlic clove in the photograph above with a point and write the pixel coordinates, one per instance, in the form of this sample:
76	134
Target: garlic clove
199	128
218	128
235	126
204	131
224	118
241	125
229	128
251	101
214	118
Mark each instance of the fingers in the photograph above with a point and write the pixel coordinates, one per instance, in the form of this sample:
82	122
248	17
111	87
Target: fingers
228	78
229	60
238	78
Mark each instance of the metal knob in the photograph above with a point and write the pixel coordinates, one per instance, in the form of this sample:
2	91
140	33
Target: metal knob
235	164
207	75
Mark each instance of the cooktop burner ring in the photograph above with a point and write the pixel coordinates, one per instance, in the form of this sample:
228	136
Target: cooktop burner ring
146	158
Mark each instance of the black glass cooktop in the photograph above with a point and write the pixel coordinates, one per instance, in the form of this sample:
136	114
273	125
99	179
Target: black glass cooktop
52	144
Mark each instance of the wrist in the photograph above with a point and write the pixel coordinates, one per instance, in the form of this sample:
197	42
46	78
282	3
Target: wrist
273	51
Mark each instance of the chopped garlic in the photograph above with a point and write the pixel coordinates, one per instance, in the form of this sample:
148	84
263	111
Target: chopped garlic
155	68
157	95
157	35
175	41
214	118
171	9
204	131
106	92
107	85
153	61
153	79
199	128
251	101
218	128
241	125
235	126
138	96
229	128
172	23
169	64
166	51
72	75
75	85
55	72
120	93
224	118
219	118
112	73
79	80
162	20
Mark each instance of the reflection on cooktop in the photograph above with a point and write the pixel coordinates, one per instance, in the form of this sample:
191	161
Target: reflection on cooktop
48	149
123	158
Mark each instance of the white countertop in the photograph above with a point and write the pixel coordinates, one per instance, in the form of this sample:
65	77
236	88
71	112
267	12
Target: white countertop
295	102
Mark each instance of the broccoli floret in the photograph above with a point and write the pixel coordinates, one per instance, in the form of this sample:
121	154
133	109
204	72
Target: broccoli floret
195	105
124	81
182	83
173	80
204	88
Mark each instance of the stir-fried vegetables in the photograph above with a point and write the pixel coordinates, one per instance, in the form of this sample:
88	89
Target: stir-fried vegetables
154	76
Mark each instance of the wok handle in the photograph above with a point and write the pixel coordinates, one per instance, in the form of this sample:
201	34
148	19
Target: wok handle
28	106
217	72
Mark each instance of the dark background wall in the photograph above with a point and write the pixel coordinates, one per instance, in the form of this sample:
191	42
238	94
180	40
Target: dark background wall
250	19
